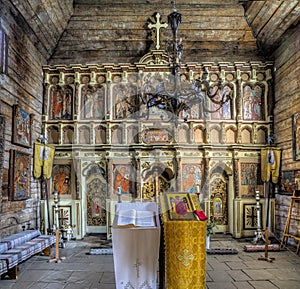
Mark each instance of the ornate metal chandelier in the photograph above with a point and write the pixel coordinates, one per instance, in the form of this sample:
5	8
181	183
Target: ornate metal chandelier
176	94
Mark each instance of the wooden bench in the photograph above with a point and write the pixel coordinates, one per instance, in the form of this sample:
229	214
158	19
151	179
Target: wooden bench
19	247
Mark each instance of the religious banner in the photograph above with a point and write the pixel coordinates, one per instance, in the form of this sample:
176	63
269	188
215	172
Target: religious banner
270	163
43	160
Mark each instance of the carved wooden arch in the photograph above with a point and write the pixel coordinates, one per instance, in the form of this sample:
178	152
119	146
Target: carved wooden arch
215	133
246	135
117	134
84	134
200	134
183	134
53	134
100	134
232	129
96	167
261	134
157	179
67	134
221	168
132	134
155	57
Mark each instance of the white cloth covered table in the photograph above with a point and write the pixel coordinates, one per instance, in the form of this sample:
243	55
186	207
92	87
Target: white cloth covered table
136	251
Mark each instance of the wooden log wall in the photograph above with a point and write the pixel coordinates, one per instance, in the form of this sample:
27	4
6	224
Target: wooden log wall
287	104
117	32
22	84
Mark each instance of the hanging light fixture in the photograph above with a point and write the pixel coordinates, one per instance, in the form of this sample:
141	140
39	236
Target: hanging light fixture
176	94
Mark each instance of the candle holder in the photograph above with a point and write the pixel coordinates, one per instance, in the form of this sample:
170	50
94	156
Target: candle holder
259	237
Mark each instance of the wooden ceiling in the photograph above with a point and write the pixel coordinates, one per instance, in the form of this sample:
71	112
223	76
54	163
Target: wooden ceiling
271	19
97	31
47	19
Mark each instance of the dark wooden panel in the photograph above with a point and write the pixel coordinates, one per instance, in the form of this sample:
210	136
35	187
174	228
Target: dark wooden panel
283	19
270	20
144	11
287	91
120	22
153	2
264	15
289	46
253	10
119	29
47	18
34	23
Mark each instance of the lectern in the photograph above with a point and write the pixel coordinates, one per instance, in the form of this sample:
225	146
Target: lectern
184	239
136	249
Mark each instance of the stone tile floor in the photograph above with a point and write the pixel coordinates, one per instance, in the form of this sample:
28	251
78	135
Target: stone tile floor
80	270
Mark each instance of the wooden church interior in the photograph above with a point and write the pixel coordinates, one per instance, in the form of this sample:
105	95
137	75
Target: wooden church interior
76	72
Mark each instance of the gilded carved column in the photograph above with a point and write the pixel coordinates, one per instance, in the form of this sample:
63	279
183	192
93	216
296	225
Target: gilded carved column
239	134
236	175
205	180
223	133
139	179
134	177
46	98
239	96
76	98
270	101
177	165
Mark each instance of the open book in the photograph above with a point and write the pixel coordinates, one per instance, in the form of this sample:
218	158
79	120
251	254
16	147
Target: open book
135	218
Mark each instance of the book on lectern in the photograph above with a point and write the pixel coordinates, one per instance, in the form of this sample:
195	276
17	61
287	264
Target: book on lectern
135	218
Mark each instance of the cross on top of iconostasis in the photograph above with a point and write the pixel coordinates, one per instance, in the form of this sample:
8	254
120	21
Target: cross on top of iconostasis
157	26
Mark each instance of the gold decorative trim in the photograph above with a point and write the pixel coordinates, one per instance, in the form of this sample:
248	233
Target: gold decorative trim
186	258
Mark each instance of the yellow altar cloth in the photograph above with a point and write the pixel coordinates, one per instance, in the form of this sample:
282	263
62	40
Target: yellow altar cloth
185	253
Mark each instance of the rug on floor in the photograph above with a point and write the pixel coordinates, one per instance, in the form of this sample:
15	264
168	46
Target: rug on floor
221	251
261	248
101	251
